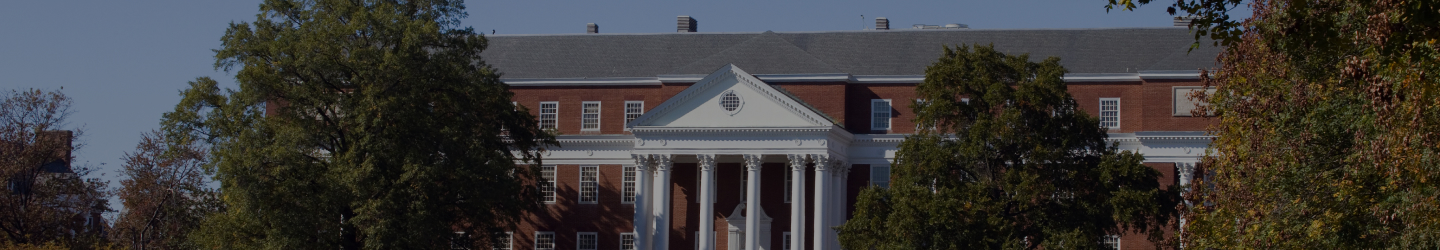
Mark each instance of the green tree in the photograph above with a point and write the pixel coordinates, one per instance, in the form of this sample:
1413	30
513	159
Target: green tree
1017	166
360	124
1326	130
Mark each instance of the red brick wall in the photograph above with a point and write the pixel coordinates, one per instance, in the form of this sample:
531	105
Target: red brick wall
858	111
566	217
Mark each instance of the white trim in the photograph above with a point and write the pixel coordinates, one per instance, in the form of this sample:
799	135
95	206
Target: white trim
553	194
745	79
1101	110
633	173
581	194
889	115
598	110
890	79
1170	74
599	81
537	240
580	237
835	77
1101	77
824	77
634	242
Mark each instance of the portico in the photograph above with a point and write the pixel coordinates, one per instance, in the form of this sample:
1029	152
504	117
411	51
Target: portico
730	119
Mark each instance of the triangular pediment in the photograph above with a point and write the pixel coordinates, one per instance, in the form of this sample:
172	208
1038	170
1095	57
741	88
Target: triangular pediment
729	97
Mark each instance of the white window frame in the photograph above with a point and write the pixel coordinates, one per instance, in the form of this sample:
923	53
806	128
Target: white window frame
590	121
509	242
785	239
543	235
631	236
589	189
580	241
628	184
878	168
876	113
547	183
552	117
633	110
1110	242
789	183
1115	113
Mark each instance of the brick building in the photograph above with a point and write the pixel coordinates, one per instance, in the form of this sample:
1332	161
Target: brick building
669	138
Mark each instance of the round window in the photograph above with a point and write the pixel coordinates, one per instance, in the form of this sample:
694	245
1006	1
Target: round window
730	101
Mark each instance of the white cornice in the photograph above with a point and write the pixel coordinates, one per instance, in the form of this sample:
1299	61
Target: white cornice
595	139
834	77
673	130
743	78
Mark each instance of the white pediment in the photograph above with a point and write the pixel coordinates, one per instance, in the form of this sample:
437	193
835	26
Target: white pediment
731	98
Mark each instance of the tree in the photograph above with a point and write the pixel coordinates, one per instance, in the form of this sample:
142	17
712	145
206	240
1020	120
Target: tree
1014	166
47	199
1326	135
360	124
165	194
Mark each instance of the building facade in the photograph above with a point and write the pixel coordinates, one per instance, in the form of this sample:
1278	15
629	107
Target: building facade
695	140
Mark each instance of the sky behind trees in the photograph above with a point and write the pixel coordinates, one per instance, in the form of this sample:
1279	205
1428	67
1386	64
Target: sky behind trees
124	62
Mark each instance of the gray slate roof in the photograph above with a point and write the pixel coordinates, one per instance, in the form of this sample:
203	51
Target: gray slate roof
893	52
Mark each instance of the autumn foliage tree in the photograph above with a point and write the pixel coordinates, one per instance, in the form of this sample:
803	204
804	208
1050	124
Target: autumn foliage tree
165	194
1328	112
1006	160
47	199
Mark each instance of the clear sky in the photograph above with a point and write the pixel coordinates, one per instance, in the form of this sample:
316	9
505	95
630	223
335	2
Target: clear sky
124	62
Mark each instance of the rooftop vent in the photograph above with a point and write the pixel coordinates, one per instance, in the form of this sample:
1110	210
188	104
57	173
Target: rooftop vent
591	28
685	24
936	27
882	24
1183	21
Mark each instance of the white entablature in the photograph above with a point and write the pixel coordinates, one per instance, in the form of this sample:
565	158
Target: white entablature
732	112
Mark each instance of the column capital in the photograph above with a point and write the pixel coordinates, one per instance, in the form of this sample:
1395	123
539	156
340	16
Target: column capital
707	161
642	162
752	162
797	162
662	162
822	162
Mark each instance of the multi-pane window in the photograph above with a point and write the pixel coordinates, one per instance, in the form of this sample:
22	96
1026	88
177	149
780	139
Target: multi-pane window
589	184
544	240
586	241
786	241
627	188
633	110
1110	113
548	115
880	176
590	116
789	184
505	242
547	183
1110	242
880	114
627	241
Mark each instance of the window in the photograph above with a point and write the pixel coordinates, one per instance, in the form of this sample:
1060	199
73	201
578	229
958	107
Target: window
544	240
589	184
1110	242
880	114
633	110
590	116
730	101
627	241
586	241
789	184
547	183
506	243
1181	105
627	189
880	176
1110	113
785	240
548	115
965	100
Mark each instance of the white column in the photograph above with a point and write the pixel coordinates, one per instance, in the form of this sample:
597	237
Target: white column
841	190
797	202
822	201
643	221
662	201
707	201
752	203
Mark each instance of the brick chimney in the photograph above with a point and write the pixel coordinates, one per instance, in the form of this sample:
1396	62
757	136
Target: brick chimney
685	24
882	24
591	28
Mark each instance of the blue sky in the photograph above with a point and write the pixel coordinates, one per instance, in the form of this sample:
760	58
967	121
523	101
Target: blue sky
124	62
